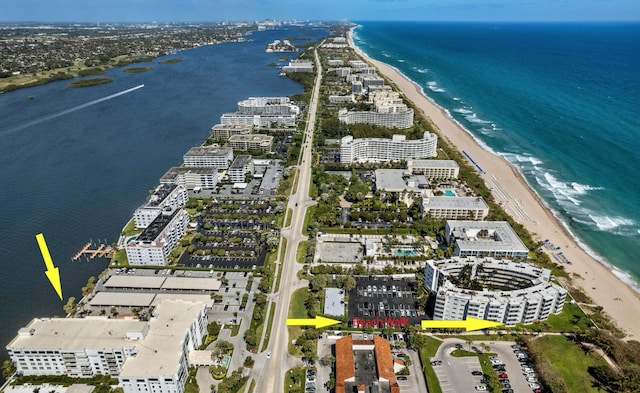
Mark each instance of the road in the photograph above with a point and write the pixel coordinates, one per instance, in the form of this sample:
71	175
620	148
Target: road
271	378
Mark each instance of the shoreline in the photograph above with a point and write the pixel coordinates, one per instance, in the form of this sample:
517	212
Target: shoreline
593	274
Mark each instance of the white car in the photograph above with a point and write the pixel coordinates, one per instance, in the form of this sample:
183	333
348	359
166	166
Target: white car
481	388
269	355
533	385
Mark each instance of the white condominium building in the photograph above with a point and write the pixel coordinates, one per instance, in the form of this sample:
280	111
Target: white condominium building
153	245
389	111
298	66
147	357
208	156
484	239
221	131
171	195
471	208
267	106
434	169
335	63
358	64
266	121
241	166
524	292
383	150
192	178
251	142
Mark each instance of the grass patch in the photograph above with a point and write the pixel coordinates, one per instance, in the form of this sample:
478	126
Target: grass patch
252	385
308	218
267	335
427	351
301	252
130	229
235	329
90	82
137	70
120	258
170	61
282	253
289	216
294	380
297	309
565	360
570	319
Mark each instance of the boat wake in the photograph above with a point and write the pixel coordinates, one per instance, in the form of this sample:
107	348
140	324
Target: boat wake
67	111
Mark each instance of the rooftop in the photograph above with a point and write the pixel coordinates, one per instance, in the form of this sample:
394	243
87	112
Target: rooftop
455	203
160	194
199	151
334	301
173	172
488	235
123	299
156	227
433	163
240	162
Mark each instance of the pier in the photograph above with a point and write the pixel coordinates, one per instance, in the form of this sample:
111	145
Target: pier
101	252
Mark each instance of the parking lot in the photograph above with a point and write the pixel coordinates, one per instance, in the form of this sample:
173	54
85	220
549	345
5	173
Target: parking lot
378	301
456	374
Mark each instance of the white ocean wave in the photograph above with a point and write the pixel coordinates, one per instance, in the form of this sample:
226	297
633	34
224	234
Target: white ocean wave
401	60
464	111
473	118
522	158
433	86
570	191
609	223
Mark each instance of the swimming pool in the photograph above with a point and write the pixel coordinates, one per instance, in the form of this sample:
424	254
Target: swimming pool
404	253
449	193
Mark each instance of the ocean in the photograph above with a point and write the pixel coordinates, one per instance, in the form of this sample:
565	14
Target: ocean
76	163
561	101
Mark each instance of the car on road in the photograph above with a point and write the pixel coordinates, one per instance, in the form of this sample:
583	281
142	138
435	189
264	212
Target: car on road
401	378
476	372
269	355
459	346
480	388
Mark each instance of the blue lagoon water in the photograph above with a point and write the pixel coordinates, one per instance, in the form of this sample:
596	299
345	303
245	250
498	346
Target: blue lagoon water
559	101
75	163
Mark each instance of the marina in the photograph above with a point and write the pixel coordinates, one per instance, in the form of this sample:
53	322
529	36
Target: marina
103	251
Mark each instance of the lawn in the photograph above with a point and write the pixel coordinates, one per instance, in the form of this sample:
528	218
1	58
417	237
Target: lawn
294	380
297	309
267	335
568	360
301	253
426	353
568	320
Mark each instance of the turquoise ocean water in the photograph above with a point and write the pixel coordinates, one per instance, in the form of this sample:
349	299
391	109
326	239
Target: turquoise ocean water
560	101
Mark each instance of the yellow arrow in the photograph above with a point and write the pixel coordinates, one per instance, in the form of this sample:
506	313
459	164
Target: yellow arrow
52	272
318	322
469	324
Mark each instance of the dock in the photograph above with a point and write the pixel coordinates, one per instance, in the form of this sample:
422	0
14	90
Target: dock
101	252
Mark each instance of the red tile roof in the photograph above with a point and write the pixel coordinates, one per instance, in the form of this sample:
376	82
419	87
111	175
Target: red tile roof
345	367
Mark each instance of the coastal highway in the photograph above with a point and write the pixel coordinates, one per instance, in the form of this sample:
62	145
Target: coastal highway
271	379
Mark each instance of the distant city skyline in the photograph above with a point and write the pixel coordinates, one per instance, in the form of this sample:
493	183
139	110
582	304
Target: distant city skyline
243	10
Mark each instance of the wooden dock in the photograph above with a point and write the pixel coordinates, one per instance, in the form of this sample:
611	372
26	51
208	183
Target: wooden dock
101	252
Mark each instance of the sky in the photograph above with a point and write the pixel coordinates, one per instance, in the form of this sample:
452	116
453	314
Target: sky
353	10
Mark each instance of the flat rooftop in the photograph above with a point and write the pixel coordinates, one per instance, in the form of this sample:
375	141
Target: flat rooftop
487	235
76	333
173	172
208	151
192	283
396	180
240	161
151	232
334	301
122	299
134	282
160	351
455	203
160	194
432	163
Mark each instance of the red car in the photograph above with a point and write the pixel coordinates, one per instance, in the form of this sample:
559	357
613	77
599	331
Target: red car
503	376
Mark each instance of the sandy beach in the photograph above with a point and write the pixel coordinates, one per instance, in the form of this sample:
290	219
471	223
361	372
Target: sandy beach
618	299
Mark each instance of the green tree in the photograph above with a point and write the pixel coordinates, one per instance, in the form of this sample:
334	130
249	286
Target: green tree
8	369
71	306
